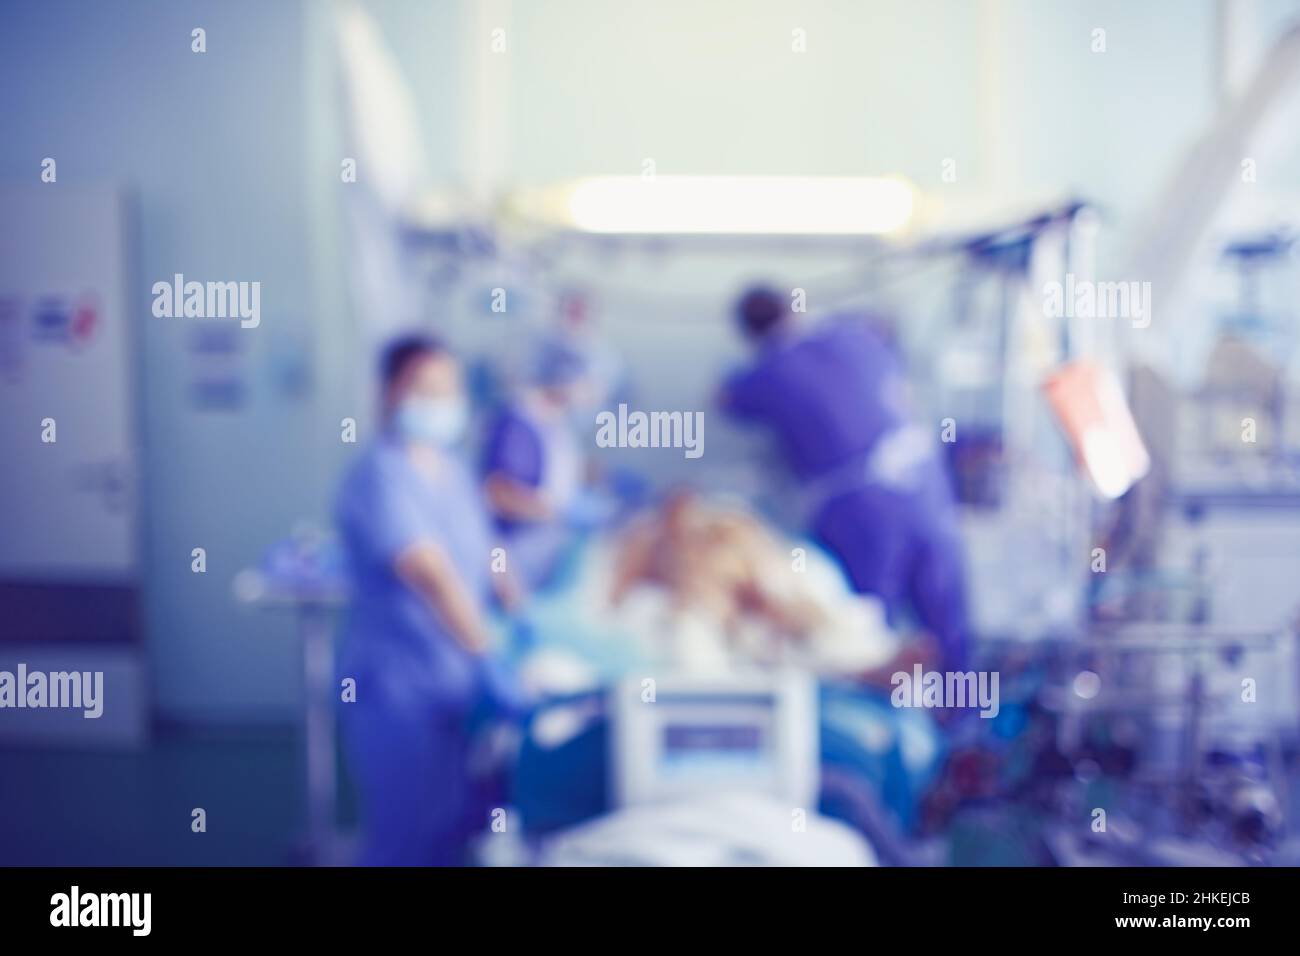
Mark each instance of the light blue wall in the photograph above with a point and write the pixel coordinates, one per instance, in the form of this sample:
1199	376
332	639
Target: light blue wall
1110	124
716	87
1011	89
212	148
232	157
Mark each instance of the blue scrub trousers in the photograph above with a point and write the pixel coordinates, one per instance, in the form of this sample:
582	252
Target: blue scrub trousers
410	761
903	547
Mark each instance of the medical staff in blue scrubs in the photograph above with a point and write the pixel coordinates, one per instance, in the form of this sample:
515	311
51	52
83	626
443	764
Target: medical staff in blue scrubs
419	549
874	491
533	464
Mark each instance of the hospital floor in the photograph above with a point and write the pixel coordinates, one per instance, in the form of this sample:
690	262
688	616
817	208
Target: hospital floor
86	808
79	808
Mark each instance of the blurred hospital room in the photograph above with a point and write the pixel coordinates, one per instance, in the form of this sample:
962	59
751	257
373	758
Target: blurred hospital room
514	433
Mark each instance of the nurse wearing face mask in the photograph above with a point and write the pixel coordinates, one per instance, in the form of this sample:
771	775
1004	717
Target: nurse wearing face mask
418	541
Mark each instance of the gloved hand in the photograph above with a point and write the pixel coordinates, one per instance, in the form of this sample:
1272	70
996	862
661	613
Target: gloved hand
502	694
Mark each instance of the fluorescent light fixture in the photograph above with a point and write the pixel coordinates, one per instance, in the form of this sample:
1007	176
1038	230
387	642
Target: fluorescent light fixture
729	205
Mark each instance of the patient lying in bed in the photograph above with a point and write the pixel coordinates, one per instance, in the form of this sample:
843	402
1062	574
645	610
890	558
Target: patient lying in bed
717	588
718	562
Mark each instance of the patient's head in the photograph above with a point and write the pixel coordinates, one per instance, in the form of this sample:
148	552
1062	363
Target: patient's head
679	508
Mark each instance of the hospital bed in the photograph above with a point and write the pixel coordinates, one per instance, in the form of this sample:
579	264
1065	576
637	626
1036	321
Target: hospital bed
598	751
773	770
710	772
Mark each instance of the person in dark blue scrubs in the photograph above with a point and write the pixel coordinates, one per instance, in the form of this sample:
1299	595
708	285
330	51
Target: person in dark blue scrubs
874	491
533	464
417	537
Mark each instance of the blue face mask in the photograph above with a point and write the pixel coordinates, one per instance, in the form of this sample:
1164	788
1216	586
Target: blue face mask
439	422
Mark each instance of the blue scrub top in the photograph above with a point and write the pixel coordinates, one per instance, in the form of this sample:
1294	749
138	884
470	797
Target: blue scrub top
827	396
539	451
542	453
396	643
513	448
